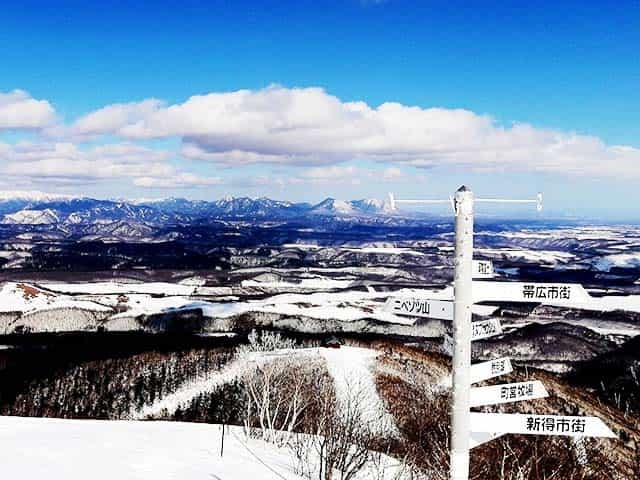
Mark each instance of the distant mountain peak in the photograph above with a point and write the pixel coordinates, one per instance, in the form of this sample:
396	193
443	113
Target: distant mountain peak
33	196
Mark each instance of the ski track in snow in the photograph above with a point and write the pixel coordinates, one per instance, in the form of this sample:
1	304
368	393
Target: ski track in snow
182	397
352	371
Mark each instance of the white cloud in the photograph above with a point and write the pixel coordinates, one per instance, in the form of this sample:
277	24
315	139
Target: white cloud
180	180
66	164
18	110
112	117
333	175
307	126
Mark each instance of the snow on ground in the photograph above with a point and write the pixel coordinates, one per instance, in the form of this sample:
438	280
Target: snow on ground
548	257
384	250
622	260
318	283
352	371
342	306
54	449
20	297
120	287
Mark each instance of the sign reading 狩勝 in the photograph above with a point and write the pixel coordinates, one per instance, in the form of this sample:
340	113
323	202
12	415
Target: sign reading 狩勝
491	369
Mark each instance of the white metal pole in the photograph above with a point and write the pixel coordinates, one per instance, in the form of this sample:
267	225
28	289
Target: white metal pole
460	417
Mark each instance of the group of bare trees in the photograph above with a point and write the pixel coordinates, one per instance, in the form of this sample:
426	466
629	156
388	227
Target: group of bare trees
290	400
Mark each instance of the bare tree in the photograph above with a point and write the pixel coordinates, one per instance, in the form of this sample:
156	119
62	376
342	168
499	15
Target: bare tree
340	441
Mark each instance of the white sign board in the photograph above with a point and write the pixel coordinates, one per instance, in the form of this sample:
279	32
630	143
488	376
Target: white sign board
491	369
420	307
485	329
478	438
482	269
525	424
547	293
507	393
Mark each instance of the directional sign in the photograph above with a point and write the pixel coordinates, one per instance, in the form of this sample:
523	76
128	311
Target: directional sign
478	438
419	307
482	269
549	293
485	329
507	393
525	424
491	369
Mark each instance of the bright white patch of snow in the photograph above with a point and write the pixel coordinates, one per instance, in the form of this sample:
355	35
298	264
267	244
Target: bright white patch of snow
54	449
110	288
16	297
32	217
352	371
622	260
305	283
538	256
385	250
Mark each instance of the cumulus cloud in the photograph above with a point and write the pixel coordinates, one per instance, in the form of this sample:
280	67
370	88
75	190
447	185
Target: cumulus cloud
112	117
66	164
18	110
333	175
307	126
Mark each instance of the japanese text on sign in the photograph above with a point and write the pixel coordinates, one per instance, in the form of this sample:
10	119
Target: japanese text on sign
546	292
552	424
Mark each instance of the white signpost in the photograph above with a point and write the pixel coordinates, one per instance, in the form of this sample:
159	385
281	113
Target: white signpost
470	429
507	393
420	307
491	369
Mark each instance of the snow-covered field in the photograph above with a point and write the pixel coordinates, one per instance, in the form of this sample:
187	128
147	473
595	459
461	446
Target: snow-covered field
53	449
56	449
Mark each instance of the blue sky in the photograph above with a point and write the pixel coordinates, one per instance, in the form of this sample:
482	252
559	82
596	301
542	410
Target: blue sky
567	76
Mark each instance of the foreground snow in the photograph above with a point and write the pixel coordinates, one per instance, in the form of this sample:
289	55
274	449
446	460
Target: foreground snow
352	371
80	449
55	449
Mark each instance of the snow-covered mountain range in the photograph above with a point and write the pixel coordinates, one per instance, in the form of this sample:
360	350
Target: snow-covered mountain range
31	208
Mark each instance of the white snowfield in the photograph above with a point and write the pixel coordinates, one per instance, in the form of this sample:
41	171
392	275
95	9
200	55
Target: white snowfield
622	260
548	257
352	371
53	449
18	297
342	306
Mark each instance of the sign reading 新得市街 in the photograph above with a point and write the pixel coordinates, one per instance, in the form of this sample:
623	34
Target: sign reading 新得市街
420	307
484	291
491	369
507	393
525	424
